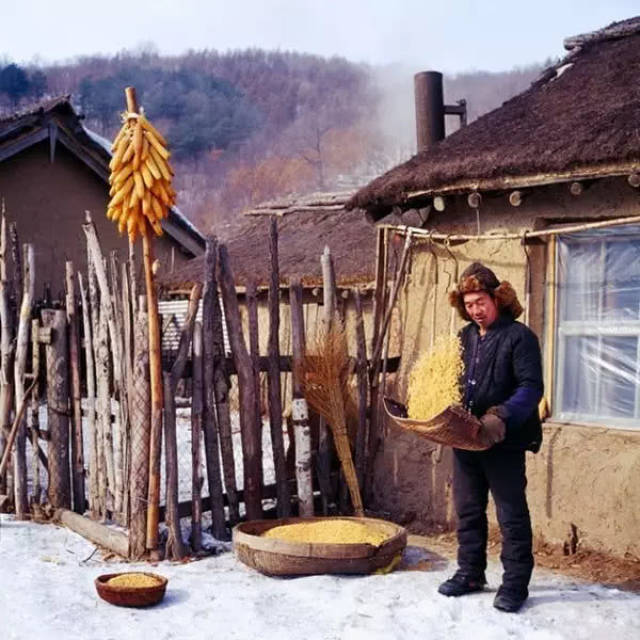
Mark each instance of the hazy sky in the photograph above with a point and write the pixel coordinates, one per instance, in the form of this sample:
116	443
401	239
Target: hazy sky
454	35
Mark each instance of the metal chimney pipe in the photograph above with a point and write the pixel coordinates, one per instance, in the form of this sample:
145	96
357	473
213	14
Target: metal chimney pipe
429	108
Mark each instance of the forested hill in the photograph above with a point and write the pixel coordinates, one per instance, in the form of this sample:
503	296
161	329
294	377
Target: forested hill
250	125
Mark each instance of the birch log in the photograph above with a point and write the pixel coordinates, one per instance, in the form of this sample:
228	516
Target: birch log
244	367
300	411
90	382
20	369
275	392
100	421
77	450
6	351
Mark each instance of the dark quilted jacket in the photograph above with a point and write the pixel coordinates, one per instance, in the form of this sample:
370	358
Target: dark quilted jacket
503	369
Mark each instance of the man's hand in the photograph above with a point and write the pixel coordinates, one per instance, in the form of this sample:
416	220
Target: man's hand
493	429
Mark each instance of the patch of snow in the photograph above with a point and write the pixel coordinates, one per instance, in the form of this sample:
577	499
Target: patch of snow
47	591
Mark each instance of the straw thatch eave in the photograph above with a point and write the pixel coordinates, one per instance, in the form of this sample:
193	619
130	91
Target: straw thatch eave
579	120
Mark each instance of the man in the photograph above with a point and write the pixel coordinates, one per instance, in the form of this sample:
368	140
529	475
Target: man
502	386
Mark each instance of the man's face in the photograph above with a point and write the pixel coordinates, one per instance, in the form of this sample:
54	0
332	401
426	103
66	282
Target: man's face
481	308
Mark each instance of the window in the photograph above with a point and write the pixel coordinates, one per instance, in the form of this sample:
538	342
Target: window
598	329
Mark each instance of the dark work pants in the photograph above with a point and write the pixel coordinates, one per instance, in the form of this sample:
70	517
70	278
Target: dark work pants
502	472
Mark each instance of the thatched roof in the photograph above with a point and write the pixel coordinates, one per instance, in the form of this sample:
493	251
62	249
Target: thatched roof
305	227
581	118
56	120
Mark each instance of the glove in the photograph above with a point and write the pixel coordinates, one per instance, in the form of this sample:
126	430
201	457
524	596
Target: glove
493	429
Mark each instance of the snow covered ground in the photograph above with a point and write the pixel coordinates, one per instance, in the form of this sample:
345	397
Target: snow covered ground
46	591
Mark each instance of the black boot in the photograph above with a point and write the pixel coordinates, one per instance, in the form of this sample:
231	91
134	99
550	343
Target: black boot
461	584
510	600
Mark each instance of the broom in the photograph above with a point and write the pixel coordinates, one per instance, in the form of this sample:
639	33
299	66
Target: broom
325	374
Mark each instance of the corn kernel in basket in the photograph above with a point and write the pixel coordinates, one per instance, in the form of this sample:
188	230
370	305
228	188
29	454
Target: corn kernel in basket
328	532
133	580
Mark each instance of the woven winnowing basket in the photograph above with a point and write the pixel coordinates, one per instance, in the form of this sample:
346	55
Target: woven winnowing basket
454	426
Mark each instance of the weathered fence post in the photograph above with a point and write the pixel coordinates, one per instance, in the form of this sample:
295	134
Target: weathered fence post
361	373
275	392
196	438
209	299
59	491
140	415
244	367
33	415
300	411
90	381
6	351
20	369
254	348
221	393
77	454
175	548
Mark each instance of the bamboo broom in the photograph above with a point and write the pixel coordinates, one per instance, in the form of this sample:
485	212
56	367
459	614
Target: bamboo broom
325	374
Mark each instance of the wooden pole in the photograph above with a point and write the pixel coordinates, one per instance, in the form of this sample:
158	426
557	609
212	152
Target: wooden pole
59	491
210	423
20	369
128	382
300	410
155	377
90	381
4	461
221	387
323	465
77	455
33	415
175	546
362	375
244	367
120	388
251	295
6	350
99	363
275	395
99	534
196	438
140	412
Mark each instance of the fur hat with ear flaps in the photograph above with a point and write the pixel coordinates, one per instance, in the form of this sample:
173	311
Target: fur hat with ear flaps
477	277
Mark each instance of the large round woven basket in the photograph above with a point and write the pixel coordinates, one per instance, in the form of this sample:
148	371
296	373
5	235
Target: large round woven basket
275	557
131	596
454	426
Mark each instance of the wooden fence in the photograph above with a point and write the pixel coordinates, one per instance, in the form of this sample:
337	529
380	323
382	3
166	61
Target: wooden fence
86	360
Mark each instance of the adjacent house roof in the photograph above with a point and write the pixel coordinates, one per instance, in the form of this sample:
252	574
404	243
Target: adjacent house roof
57	121
305	226
580	119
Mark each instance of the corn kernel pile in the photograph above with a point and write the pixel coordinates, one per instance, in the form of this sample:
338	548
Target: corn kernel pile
434	379
133	580
334	531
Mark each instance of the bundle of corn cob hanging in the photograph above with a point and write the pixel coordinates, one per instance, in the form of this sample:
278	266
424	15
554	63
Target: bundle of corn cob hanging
140	177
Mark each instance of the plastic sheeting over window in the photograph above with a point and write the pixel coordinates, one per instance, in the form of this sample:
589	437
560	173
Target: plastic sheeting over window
598	332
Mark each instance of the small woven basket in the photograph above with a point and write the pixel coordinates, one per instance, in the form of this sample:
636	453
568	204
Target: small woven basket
131	596
454	426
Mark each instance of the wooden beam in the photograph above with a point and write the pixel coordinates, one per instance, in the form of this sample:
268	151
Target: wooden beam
576	188
97	533
53	138
474	200
516	198
23	142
